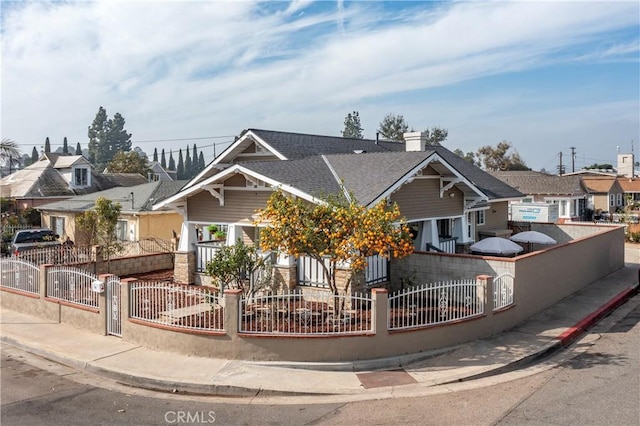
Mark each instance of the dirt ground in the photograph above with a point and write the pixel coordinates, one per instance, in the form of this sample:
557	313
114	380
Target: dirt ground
165	275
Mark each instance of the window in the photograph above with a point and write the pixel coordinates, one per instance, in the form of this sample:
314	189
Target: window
444	228
57	225
620	203
527	200
480	217
612	200
121	230
80	177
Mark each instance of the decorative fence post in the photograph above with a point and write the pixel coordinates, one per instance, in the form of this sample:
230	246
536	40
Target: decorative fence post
102	303
379	311
43	280
125	305
231	309
484	293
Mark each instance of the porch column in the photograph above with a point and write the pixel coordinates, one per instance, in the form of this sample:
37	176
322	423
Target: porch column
187	237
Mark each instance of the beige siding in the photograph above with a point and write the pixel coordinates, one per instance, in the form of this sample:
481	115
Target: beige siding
238	205
421	199
495	218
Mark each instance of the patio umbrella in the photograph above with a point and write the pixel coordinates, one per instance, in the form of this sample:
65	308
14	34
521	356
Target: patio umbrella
533	237
496	245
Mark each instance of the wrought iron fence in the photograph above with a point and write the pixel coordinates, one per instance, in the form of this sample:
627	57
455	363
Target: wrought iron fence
146	246
19	274
503	290
436	303
181	306
72	285
58	255
306	313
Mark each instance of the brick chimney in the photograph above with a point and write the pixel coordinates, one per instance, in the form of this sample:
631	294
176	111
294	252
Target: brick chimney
415	141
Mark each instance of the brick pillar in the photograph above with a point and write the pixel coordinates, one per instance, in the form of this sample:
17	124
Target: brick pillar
484	292
379	311
185	267
231	303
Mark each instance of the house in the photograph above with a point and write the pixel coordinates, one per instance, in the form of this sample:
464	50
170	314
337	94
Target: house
58	177
630	187
136	222
160	173
605	193
568	191
447	201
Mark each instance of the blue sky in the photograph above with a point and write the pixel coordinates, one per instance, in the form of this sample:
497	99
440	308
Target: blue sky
545	76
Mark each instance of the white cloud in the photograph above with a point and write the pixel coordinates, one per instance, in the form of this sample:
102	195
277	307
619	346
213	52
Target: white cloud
189	69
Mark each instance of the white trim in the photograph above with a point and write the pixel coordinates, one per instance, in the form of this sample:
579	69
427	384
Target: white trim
230	149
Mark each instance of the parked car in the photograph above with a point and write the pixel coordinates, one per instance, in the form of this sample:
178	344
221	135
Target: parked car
29	239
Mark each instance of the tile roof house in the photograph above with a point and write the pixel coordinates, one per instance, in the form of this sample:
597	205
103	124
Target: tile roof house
137	221
568	191
57	177
445	199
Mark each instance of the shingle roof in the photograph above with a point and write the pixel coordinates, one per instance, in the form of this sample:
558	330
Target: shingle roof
299	145
537	183
599	184
629	184
368	175
144	196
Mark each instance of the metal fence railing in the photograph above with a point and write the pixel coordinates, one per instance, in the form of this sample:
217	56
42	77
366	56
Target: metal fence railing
377	270
432	304
176	305
19	274
503	291
71	285
141	247
307	313
205	252
58	255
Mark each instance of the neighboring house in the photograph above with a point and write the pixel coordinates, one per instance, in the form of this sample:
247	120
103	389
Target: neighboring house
136	221
605	193
630	187
160	173
568	191
58	177
446	200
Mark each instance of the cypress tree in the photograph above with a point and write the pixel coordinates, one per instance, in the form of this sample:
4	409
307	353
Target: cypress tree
201	164
172	163
155	155
65	147
78	149
163	160
34	155
47	145
194	165
180	169
188	171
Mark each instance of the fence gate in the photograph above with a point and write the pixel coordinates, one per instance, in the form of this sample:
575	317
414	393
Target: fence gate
114	311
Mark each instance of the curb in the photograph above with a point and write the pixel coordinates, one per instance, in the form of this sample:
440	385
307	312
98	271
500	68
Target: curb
583	325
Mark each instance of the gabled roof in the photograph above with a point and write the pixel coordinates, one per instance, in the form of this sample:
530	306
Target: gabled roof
368	176
599	185
537	183
629	184
61	161
143	197
294	146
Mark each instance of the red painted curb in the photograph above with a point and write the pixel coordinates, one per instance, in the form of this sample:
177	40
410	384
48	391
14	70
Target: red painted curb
573	332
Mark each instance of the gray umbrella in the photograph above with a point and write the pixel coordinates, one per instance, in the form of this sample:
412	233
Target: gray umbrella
533	237
496	245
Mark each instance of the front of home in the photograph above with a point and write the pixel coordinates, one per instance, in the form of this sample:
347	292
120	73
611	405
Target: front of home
447	202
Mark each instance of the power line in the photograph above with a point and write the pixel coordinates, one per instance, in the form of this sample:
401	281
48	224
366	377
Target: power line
143	141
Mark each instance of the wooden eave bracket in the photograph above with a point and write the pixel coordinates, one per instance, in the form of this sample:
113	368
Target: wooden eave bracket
216	193
452	181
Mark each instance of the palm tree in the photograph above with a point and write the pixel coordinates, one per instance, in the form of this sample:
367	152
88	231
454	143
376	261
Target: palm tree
9	152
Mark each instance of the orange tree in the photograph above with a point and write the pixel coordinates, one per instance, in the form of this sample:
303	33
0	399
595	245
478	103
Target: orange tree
336	230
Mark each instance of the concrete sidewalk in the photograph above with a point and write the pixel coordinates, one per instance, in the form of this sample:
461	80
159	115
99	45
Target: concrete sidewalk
137	366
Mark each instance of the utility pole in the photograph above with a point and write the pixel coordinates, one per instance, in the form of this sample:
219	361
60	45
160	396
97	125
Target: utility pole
573	159
560	166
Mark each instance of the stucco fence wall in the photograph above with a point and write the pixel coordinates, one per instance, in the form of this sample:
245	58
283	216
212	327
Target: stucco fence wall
541	279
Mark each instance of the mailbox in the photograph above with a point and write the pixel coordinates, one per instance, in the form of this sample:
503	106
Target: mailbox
97	286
